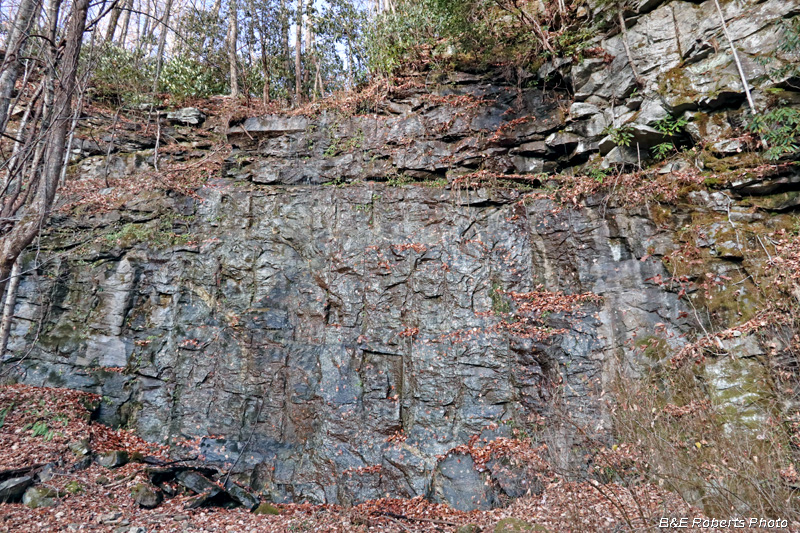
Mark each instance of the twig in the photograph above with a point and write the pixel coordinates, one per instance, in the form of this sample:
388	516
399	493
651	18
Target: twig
399	523
769	257
639	80
246	444
736	58
677	34
415	519
123	480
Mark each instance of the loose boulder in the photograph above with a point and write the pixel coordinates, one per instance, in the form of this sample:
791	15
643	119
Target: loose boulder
36	497
146	495
113	459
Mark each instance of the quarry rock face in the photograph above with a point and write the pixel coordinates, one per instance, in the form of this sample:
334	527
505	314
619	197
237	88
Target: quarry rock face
326	320
332	313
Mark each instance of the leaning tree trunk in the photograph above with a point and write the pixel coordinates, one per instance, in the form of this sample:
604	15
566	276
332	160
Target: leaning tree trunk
162	43
624	29
31	216
126	19
309	39
112	24
736	58
14	45
8	307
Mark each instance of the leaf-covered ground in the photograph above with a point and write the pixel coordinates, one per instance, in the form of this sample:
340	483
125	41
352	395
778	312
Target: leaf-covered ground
45	425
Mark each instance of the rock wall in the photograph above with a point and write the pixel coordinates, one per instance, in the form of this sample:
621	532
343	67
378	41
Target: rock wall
315	323
336	342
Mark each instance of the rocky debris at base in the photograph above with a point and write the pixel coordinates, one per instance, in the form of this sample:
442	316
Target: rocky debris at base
133	497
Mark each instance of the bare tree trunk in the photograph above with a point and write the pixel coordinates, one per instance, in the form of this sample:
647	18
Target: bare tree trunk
258	23
14	45
162	42
126	19
52	8
34	214
112	23
8	308
265	90
349	64
145	28
309	39
11	165
284	28
318	83
298	45
233	37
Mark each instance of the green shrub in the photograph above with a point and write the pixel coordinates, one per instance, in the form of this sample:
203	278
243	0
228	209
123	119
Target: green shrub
184	77
120	76
394	38
621	136
671	126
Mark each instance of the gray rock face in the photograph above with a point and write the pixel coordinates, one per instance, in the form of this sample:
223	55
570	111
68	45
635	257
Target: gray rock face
324	320
349	336
436	140
458	483
188	116
684	62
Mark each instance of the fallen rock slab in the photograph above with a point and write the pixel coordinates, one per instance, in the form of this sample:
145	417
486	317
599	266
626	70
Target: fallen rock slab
188	116
203	499
161	474
242	496
196	482
12	489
